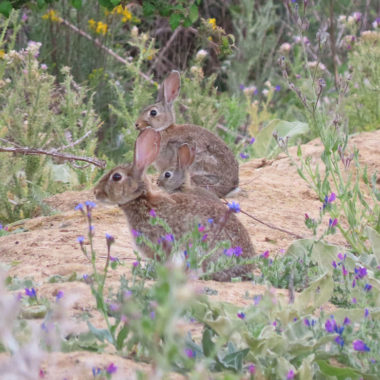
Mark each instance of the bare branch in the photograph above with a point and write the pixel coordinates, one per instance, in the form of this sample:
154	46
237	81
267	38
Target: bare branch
69	157
88	133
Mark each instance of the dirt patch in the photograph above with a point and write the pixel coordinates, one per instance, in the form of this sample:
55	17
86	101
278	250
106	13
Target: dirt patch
272	192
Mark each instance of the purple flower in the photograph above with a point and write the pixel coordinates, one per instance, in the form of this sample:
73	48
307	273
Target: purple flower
234	206
79	207
238	251
80	240
334	264
306	322
277	88
229	252
152	213
85	277
341	257
111	368
256	300
331	198
185	253
333	223
43	66
90	205
190	353
244	156
152	314
339	340
135	264
361	272
290	374
367	287
114	259
252	369
344	271
59	295
31	292
265	255
169	237
346	321
274	323
204	237
330	325
354	301
354	283
135	233
359	345
95	371
251	141
210	220
201	228
366	313
241	315
242	87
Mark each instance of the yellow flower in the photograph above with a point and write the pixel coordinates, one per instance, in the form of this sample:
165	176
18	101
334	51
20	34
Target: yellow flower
101	28
212	22
52	15
92	23
127	15
118	9
2	53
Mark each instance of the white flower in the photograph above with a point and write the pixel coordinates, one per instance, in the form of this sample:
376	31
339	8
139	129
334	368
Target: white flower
314	64
135	31
265	92
201	54
285	47
249	90
342	19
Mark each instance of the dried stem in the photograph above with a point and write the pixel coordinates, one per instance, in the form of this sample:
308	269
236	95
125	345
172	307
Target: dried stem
68	157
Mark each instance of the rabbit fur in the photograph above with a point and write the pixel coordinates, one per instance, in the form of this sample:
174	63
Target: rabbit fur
215	166
177	178
127	186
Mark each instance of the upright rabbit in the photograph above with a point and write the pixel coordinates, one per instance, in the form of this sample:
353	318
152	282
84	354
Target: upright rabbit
127	186
177	178
215	166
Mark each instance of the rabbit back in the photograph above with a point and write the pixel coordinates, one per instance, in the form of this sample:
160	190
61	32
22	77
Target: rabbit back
215	166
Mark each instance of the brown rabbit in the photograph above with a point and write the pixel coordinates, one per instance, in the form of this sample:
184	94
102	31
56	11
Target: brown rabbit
215	166
127	186
177	178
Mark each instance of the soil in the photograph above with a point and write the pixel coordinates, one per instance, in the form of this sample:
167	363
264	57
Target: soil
271	191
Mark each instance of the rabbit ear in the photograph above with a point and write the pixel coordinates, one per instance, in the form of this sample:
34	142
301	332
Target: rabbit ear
147	147
169	89
186	156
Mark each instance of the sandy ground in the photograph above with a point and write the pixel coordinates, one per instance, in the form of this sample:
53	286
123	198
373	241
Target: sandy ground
271	191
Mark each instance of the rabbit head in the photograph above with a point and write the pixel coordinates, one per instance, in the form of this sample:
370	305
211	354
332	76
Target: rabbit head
160	115
125	183
172	178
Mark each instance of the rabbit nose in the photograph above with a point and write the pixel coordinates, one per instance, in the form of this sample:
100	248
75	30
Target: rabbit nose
137	125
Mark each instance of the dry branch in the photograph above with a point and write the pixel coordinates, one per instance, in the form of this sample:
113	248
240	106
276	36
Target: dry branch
52	153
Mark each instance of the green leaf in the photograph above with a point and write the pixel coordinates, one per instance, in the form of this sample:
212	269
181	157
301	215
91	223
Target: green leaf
84	341
76	4
265	145
175	20
207	344
305	371
101	334
374	239
121	337
339	372
234	360
193	14
148	9
318	293
5	8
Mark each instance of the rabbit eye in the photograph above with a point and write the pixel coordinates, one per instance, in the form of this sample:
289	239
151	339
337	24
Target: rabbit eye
168	174
116	177
153	113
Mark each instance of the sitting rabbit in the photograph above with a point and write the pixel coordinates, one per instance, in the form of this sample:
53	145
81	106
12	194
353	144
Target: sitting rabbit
215	166
177	178
127	186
